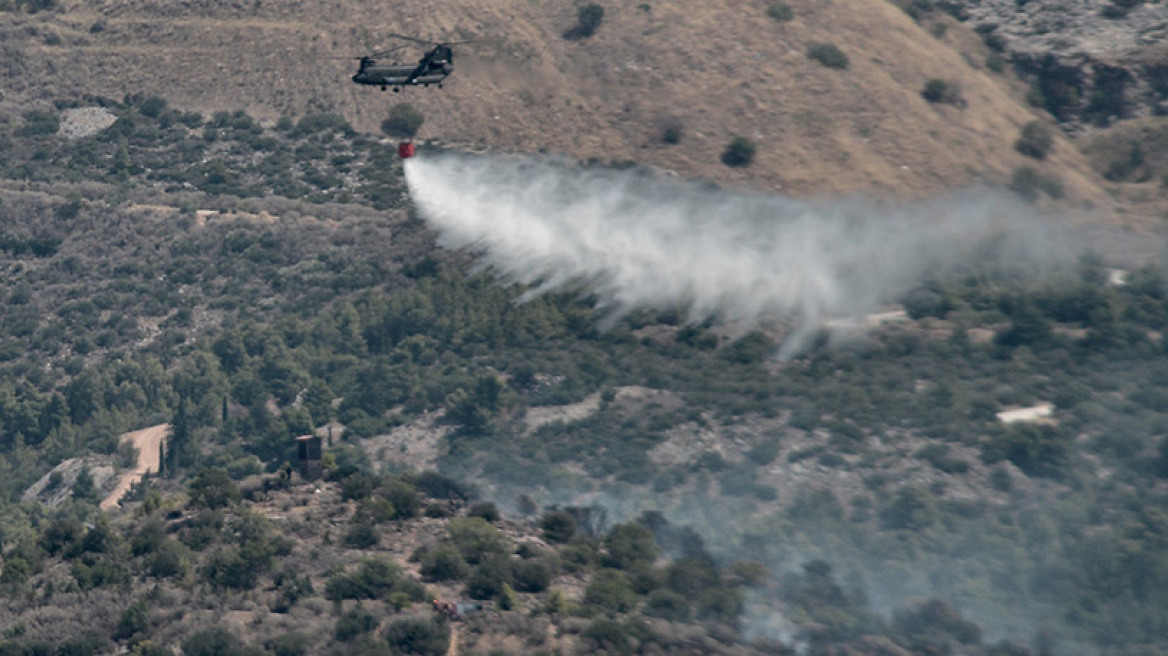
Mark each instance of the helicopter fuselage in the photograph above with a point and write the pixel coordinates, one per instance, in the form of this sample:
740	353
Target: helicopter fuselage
401	76
431	69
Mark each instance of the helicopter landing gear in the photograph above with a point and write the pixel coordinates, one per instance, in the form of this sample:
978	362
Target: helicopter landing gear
383	88
397	89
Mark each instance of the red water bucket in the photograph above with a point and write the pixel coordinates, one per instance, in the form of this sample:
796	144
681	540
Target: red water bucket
405	149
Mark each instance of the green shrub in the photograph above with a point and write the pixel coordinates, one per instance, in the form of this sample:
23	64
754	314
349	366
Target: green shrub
404	121
1036	450
443	564
489	579
362	534
168	561
152	106
213	488
671	132
374	579
558	527
80	646
212	642
1028	183
288	644
15	572
1115	11
588	19
938	90
485	510
739	152
668	605
404	497
765	452
31	6
37	124
149	538
437	486
1035	140
609	590
355	622
608	636
477	540
993	41
1128	167
629	545
133	621
912	509
827	54
423	637
83	487
531	575
781	11
934	619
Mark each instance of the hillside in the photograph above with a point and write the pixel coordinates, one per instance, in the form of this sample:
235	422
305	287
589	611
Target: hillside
202	227
716	70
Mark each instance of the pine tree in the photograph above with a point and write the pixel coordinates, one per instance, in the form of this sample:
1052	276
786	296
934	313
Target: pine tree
181	451
84	489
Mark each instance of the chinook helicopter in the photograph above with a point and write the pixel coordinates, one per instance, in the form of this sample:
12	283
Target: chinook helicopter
434	66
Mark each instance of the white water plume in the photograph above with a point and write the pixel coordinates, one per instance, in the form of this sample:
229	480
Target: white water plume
636	241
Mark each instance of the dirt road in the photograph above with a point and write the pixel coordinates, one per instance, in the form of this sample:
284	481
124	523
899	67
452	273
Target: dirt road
148	442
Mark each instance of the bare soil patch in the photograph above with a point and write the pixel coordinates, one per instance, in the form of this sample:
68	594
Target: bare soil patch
148	441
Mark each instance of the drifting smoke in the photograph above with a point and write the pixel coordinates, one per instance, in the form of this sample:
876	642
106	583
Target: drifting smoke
635	241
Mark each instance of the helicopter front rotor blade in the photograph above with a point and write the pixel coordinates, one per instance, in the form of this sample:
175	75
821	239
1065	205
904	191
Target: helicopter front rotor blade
414	39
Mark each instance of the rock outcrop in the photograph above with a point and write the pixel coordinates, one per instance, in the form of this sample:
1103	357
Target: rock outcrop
1089	62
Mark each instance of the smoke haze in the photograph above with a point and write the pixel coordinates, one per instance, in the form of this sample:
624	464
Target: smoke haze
636	241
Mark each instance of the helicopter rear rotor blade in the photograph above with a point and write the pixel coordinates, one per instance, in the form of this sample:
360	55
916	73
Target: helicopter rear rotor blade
429	43
414	39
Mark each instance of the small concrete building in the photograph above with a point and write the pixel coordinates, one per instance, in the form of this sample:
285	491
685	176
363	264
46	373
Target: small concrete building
310	454
1036	414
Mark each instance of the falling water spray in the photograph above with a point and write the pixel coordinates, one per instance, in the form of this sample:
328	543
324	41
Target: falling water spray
634	240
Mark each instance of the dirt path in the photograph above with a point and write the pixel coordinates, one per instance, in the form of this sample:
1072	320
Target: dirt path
453	650
148	442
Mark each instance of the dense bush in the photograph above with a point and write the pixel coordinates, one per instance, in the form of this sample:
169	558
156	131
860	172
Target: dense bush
1030	184
938	90
739	152
213	488
484	510
214	641
828	54
354	622
375	578
422	637
1035	140
668	605
477	540
935	622
671	132
780	11
588	19
443	564
531	575
558	526
38	123
1036	450
404	121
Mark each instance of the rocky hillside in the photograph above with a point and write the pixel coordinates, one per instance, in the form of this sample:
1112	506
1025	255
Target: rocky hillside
1089	63
712	70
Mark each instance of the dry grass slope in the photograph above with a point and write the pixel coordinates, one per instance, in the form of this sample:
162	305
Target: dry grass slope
717	69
